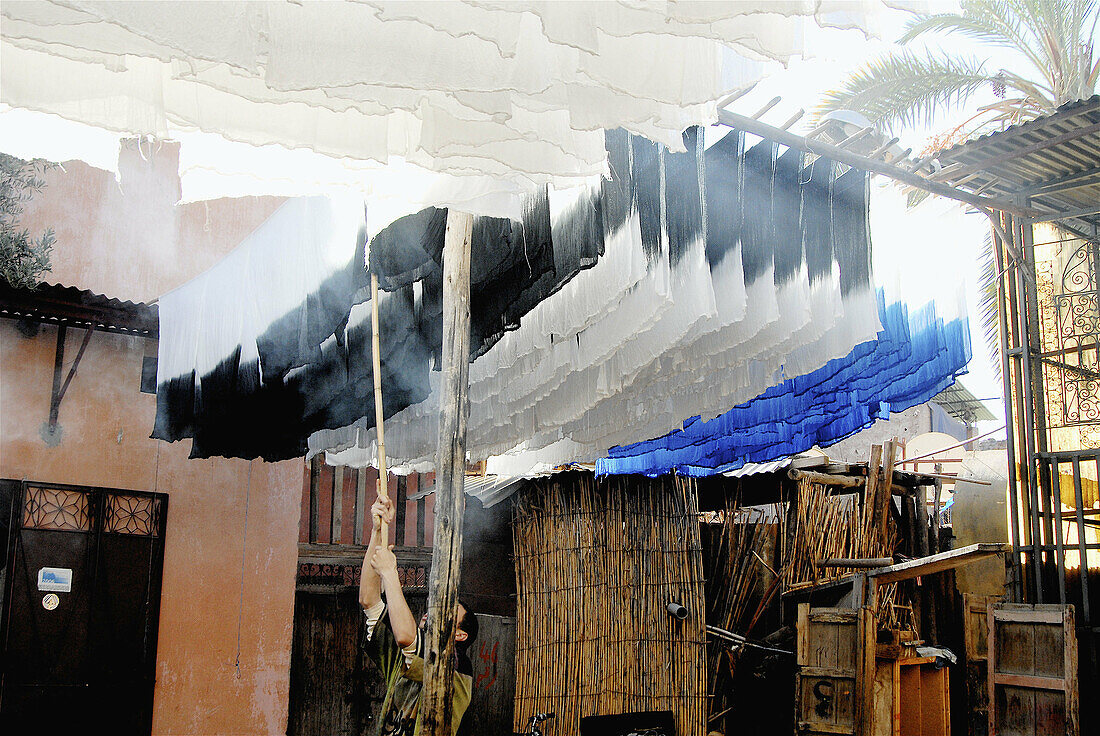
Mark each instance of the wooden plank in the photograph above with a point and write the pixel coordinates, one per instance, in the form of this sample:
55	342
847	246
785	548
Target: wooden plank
933	708
1072	704
937	563
864	657
809	727
314	500
816	671
1032	681
1029	616
437	694
832	616
400	504
910	713
860	562
421	510
887	699
336	531
882	514
827	479
360	505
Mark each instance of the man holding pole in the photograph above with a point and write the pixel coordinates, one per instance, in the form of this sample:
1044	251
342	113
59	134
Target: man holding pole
396	643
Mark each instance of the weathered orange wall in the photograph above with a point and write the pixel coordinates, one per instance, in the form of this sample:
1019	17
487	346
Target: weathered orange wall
224	578
128	239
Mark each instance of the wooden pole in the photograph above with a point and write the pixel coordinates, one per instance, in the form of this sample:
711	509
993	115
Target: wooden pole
436	697
376	354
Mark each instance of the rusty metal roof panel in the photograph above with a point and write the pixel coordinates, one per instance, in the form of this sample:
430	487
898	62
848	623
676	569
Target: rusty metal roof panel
68	305
1052	162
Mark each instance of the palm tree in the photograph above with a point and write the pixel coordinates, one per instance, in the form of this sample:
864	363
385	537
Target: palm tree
1054	43
1053	40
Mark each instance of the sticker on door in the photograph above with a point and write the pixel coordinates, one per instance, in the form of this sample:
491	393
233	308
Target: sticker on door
55	579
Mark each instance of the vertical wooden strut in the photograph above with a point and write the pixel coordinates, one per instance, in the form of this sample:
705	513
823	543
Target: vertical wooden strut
436	697
376	354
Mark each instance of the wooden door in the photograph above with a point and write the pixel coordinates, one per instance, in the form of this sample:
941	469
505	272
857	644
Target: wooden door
829	670
976	637
1032	670
79	622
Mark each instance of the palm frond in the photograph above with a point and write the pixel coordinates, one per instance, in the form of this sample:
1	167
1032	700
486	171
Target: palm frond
905	89
988	276
971	26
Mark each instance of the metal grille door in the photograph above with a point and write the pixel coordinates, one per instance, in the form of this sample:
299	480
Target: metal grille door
81	603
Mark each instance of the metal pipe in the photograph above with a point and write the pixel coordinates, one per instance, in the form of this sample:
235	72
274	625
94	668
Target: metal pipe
1082	549
967	441
1055	497
1006	377
1028	465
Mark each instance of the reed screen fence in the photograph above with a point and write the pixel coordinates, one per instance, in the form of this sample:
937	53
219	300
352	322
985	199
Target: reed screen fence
597	564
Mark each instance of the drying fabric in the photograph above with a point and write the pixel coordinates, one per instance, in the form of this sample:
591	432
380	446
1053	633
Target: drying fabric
912	359
605	313
673	322
516	90
234	340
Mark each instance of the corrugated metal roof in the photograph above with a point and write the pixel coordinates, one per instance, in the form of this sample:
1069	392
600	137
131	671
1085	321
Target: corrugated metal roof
1052	163
68	305
492	489
759	468
489	489
957	401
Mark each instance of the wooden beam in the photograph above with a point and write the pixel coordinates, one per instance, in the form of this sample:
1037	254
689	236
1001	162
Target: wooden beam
820	148
1020	153
854	562
360	504
1064	183
436	697
936	563
336	526
314	498
1067	214
825	479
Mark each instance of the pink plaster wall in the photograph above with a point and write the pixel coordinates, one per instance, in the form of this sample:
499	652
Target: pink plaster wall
129	241
127	238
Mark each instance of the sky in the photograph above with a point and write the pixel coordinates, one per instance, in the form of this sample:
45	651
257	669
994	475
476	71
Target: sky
934	252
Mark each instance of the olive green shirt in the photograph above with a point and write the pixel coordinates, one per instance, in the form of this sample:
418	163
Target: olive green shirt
403	672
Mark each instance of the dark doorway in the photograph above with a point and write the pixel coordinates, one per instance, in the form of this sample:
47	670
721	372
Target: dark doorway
78	631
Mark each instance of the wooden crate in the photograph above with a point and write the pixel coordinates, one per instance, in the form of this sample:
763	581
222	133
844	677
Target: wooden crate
1032	670
912	698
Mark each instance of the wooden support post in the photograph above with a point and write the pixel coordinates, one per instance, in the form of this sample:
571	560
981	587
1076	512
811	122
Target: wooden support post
436	697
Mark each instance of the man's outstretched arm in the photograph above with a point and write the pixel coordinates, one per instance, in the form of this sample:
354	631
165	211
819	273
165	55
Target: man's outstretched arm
370	585
402	621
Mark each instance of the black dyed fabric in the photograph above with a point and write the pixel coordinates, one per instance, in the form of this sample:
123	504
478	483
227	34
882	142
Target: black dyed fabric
758	222
816	225
314	370
849	205
724	194
786	204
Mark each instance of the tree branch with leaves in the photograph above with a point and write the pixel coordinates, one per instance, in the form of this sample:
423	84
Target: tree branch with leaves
23	258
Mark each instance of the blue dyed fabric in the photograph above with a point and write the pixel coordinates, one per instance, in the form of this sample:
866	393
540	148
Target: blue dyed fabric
915	356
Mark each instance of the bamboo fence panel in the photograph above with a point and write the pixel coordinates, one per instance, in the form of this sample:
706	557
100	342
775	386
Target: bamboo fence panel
596	565
839	526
